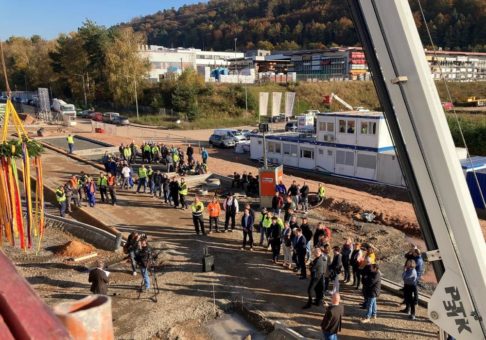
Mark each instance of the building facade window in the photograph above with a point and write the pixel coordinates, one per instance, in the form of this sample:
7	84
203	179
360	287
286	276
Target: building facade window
346	126
351	126
290	150
345	157
274	147
342	126
368	128
306	153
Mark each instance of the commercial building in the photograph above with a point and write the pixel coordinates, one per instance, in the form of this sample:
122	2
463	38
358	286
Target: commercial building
333	64
457	66
172	61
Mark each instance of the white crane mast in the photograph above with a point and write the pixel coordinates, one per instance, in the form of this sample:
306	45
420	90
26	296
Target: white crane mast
431	168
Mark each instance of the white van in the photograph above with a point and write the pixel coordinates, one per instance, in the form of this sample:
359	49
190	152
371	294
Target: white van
236	135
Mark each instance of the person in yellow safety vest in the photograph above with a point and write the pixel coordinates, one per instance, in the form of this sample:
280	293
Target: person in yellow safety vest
183	193
142	179
175	158
321	192
146	152
265	224
70	141
61	200
102	184
197	208
155	152
127	153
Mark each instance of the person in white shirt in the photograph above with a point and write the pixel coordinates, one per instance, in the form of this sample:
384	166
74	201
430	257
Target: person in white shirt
231	208
126	172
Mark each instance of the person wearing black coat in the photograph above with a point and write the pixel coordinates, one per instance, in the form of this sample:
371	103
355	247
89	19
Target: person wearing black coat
275	238
317	269
166	189
307	232
304	196
355	262
335	268
371	290
301	250
98	279
174	191
247	221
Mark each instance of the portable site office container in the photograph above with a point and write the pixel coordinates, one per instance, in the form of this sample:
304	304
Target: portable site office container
354	144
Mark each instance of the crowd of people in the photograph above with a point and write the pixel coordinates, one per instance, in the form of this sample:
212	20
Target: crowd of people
173	157
80	188
283	228
309	251
119	173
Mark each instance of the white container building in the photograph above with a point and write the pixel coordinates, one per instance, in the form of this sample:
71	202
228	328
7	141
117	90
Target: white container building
354	144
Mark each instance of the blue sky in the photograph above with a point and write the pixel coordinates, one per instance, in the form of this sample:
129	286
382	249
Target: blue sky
48	18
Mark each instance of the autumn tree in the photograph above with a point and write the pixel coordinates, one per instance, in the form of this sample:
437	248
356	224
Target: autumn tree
125	68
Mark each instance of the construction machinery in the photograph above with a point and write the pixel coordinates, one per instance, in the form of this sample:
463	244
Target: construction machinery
427	157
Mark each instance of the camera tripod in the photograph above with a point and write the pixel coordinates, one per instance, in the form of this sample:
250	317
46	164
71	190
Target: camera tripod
155	285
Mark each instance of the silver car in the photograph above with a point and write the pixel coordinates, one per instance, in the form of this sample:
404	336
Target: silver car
221	141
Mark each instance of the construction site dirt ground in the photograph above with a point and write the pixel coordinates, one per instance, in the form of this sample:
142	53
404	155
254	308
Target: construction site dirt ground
190	297
186	301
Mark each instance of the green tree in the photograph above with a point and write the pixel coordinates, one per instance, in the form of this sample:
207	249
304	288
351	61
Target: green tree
184	97
124	66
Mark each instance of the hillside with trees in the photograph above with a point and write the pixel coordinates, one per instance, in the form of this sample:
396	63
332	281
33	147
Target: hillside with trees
294	24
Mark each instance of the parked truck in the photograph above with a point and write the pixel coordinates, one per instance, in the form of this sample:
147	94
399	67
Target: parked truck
60	106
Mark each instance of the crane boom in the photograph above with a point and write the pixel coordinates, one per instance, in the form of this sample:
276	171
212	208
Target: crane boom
429	163
339	99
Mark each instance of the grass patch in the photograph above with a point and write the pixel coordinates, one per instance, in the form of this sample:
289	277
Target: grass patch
169	122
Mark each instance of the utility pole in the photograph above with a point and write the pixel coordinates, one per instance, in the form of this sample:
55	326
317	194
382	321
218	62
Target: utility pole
246	98
84	89
136	96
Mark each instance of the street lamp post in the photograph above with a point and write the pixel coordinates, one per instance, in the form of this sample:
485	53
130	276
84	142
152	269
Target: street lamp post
136	95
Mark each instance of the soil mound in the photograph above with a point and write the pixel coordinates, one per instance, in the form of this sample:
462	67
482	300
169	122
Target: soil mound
74	249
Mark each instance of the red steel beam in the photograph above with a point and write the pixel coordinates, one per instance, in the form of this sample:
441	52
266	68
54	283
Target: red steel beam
23	315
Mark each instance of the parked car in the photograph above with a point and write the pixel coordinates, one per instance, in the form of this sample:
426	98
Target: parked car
246	133
234	134
279	118
96	116
120	120
108	117
291	126
221	141
86	113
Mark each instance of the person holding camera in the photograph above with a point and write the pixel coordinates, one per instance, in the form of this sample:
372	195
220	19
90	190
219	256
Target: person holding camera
131	248
144	257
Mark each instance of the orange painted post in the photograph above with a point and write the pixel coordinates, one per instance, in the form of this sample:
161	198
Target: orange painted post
269	178
88	318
